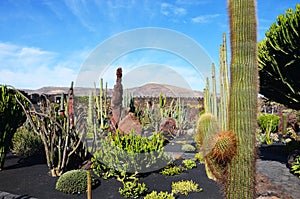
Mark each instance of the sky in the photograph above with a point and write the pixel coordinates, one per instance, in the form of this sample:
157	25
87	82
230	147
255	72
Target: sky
54	42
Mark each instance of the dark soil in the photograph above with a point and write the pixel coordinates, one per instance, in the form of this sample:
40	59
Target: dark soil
29	177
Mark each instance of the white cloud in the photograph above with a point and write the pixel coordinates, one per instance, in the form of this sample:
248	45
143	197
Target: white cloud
171	10
29	67
204	18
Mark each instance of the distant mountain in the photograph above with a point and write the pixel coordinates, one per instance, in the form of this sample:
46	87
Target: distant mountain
147	90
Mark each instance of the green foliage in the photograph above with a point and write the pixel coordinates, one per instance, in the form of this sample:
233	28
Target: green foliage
296	166
189	164
132	153
185	187
188	148
278	59
268	122
172	170
26	142
199	157
159	195
74	182
133	189
11	117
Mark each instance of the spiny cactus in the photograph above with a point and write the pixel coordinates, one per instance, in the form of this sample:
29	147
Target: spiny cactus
240	181
207	124
225	147
217	147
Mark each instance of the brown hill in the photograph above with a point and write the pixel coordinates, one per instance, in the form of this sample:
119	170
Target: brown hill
147	90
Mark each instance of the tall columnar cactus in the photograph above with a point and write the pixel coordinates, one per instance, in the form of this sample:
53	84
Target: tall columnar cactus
214	90
224	85
243	98
207	98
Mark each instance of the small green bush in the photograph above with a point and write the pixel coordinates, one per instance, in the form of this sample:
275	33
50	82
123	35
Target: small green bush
199	157
160	195
132	153
172	170
268	122
188	148
296	166
133	189
74	182
26	142
189	164
185	187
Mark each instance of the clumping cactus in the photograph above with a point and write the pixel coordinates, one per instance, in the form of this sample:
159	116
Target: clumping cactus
218	147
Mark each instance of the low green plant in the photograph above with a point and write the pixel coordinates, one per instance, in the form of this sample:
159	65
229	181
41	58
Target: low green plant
296	166
133	189
26	142
132	153
172	170
189	163
199	157
159	195
74	182
185	187
188	148
268	122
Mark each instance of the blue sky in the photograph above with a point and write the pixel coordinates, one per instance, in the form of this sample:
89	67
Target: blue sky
47	42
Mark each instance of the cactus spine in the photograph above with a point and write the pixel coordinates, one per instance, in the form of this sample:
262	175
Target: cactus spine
243	98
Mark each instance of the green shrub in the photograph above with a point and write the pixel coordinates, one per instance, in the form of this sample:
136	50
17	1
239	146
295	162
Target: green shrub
268	122
132	153
160	195
189	164
74	182
188	148
172	170
133	189
296	166
199	157
26	142
185	187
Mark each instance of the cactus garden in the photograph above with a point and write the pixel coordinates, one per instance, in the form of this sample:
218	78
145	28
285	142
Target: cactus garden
238	139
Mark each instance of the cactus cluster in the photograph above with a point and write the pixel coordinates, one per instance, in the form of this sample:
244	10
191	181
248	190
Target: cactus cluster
218	147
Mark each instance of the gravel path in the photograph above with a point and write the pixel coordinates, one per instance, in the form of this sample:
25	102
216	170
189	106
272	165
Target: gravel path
280	176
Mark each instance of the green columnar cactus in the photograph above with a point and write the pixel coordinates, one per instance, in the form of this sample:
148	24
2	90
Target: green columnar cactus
207	98
240	181
214	90
224	86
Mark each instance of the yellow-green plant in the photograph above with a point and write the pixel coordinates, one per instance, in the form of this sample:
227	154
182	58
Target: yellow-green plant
159	195
189	163
185	187
172	170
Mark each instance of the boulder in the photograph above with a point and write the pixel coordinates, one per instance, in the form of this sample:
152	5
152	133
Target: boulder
130	123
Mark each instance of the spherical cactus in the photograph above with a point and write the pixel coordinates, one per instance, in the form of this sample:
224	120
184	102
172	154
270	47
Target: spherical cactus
225	147
206	125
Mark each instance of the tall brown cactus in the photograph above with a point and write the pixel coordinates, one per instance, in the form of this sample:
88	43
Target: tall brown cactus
243	98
